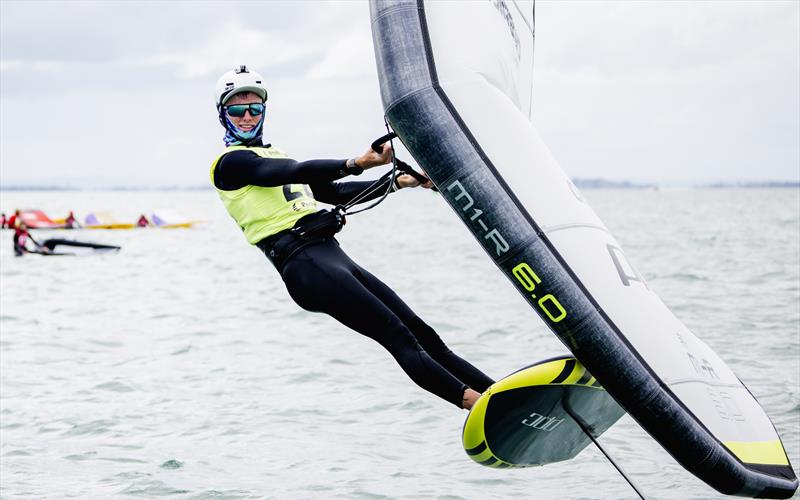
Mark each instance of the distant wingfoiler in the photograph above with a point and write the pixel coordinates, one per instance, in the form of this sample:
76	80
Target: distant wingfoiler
456	82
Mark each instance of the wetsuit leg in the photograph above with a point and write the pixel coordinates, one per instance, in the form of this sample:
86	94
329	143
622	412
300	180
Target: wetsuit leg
320	278
427	336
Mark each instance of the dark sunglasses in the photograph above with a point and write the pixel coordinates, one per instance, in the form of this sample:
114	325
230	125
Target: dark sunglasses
237	110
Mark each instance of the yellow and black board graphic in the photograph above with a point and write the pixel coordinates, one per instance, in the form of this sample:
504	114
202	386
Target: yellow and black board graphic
538	415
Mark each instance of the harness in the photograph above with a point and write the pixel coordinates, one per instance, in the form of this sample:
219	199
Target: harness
323	225
311	229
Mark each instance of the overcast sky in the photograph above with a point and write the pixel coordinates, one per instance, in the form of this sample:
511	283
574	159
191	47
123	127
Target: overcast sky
121	93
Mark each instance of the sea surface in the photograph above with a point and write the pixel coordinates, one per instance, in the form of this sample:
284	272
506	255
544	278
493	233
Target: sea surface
179	367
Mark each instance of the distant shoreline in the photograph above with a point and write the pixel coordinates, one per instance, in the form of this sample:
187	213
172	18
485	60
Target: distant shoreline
610	184
101	188
775	184
579	182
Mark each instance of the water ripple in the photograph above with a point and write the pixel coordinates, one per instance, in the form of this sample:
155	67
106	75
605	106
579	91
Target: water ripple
188	372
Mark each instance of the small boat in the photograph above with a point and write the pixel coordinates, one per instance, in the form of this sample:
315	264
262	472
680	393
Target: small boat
170	219
104	220
36	219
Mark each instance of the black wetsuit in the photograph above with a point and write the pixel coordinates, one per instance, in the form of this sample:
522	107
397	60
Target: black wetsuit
322	278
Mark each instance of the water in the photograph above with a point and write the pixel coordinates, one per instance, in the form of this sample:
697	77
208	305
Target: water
180	367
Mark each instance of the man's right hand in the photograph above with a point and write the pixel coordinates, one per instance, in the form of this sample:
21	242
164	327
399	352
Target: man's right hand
372	159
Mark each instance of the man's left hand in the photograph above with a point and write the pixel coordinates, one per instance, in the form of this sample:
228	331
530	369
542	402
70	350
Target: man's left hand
406	180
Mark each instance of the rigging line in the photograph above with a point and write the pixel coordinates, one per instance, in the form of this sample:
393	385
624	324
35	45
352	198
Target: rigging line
380	200
367	191
374	185
532	29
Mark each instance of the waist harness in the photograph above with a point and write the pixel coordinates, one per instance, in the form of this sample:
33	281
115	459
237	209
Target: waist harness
314	228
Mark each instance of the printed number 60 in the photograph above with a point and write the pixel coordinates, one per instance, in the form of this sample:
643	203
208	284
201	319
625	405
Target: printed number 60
549	305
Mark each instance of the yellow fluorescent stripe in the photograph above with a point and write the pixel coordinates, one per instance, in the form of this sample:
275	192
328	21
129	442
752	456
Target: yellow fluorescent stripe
576	374
536	375
485	455
473	428
758	452
541	375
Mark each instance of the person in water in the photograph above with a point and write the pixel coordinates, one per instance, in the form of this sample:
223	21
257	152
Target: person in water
21	238
274	199
71	222
14	220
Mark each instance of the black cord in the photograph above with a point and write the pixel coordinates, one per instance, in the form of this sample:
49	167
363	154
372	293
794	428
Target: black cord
374	186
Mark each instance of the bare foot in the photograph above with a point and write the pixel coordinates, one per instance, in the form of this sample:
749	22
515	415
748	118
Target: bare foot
469	398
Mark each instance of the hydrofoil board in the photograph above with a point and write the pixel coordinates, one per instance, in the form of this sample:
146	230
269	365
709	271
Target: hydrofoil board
538	415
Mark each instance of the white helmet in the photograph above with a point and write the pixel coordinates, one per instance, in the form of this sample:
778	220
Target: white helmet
239	80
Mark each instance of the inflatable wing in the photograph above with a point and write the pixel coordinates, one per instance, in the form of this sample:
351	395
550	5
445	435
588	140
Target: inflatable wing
455	81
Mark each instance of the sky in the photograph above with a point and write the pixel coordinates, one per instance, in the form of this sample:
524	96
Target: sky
100	94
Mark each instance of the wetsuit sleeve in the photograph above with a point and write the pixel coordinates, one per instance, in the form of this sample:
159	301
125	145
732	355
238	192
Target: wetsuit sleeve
336	193
245	168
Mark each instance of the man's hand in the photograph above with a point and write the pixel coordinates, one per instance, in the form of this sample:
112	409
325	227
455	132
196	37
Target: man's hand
406	180
372	159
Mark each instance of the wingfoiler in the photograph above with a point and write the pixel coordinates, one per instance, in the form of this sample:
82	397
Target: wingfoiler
456	82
